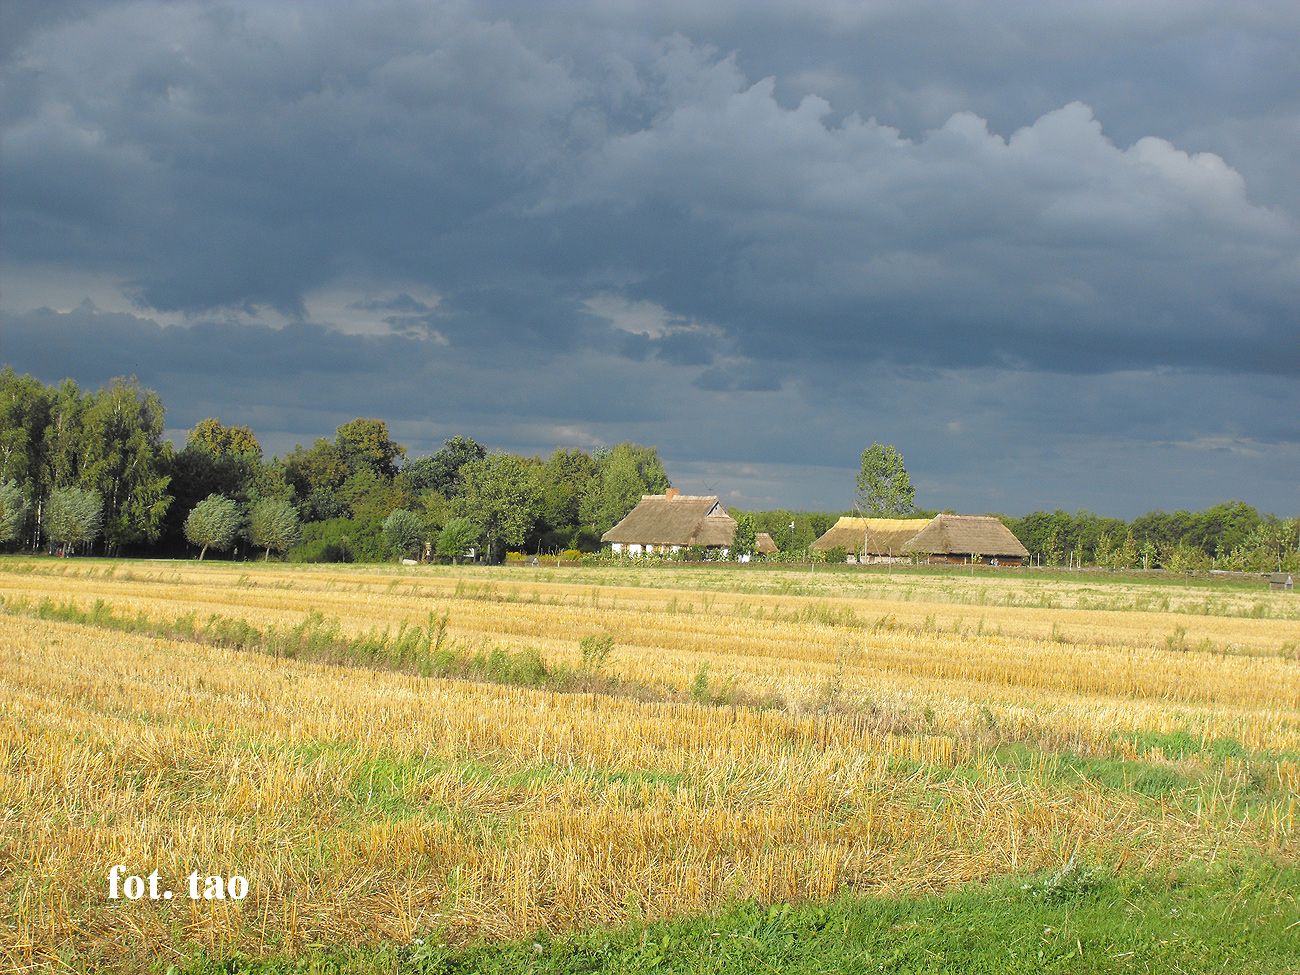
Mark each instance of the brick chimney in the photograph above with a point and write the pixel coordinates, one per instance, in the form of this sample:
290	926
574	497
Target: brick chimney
672	493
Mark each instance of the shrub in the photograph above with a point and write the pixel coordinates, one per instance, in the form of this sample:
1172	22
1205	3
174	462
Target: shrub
340	540
596	649
700	685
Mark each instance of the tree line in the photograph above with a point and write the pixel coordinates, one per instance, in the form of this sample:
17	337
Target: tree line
91	471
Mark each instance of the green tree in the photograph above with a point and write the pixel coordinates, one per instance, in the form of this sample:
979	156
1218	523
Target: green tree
24	415
316	474
884	486
564	480
125	459
220	440
404	533
499	495
369	496
73	517
624	474
216	460
364	444
214	523
743	542
273	525
441	471
13	510
60	449
457	537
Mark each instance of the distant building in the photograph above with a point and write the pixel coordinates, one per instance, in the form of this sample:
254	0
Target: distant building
1281	580
671	522
967	538
871	539
763	544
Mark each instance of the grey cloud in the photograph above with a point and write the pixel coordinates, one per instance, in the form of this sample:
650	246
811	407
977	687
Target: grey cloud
1054	225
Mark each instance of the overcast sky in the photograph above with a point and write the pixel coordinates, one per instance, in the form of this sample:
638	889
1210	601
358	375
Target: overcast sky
1050	250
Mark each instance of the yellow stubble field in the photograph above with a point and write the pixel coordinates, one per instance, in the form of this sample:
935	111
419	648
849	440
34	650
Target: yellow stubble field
753	733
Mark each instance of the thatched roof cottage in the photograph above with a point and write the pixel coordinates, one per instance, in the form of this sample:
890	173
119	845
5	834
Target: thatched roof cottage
967	538
764	545
670	522
870	539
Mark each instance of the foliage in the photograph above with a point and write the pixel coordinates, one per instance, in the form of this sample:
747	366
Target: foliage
316	474
441	470
13	510
340	540
273	526
364	444
595	650
110	440
623	474
24	416
404	533
369	496
74	517
884	486
123	456
500	498
214	523
743	541
457	538
219	440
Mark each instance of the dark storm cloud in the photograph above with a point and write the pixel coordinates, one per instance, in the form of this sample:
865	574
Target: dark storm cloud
575	220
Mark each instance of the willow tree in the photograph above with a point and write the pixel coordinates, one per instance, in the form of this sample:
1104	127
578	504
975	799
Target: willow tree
73	517
214	523
273	525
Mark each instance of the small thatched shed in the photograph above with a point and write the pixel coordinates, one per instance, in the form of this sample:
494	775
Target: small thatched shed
967	538
870	538
670	522
764	545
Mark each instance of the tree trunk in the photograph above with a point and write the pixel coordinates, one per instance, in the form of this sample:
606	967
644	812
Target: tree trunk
267	556
202	552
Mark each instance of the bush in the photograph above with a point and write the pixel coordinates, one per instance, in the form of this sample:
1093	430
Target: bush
596	649
340	540
837	555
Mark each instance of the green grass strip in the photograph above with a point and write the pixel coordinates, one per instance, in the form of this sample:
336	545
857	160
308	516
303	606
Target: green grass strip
1077	920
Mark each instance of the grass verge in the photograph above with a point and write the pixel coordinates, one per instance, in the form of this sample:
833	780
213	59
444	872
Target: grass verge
1241	918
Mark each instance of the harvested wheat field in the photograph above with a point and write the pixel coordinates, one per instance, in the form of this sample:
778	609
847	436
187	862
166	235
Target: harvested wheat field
452	756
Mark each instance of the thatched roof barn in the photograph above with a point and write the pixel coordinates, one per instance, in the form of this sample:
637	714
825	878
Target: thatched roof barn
881	537
965	538
764	545
672	521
